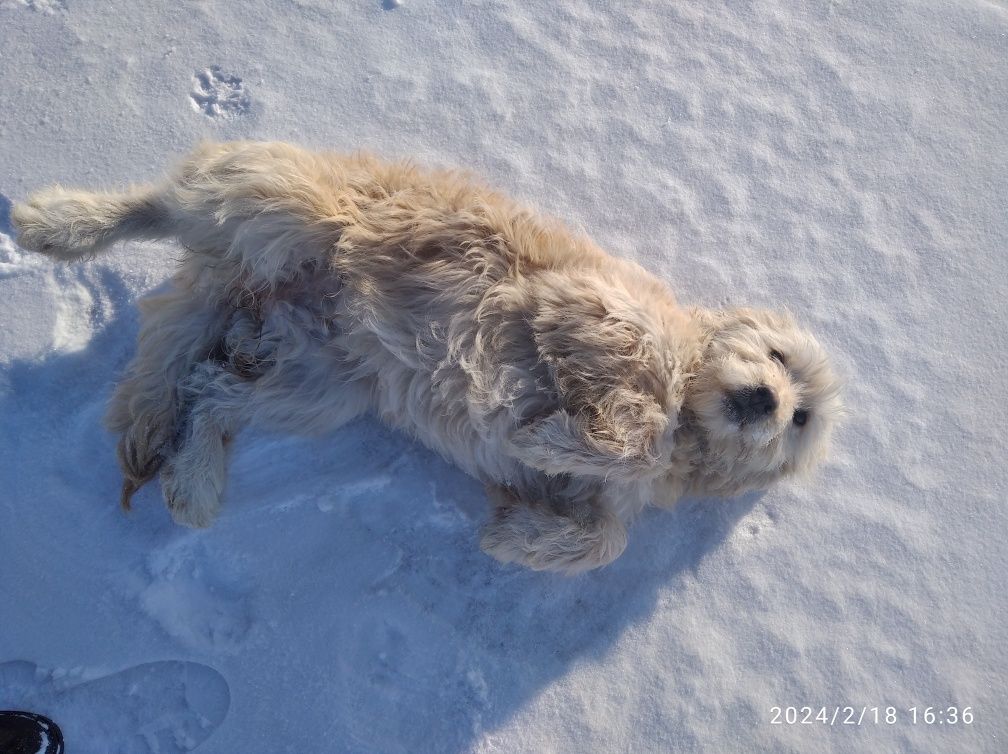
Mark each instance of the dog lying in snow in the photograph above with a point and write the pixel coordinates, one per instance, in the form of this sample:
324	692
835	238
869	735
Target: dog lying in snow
316	287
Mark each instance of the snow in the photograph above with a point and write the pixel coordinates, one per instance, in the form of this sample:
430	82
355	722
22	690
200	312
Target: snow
847	161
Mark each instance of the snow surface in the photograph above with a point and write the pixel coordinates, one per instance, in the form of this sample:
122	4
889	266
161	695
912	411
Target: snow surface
845	160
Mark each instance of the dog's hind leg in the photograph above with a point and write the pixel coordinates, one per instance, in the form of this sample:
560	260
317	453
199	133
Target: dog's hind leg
216	402
584	535
178	330
275	369
211	402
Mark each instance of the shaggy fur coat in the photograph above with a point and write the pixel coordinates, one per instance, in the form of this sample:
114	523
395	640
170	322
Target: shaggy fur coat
315	287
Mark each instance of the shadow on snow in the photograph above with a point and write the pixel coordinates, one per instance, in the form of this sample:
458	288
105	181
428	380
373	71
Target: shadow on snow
392	630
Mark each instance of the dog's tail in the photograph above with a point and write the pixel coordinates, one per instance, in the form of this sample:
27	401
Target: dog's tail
71	225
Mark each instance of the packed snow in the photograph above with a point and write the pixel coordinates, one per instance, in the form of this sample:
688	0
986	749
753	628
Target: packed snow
847	161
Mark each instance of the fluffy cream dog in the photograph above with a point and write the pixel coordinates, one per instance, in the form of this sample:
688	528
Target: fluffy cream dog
316	287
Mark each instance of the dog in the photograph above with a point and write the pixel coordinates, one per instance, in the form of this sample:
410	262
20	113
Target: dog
315	287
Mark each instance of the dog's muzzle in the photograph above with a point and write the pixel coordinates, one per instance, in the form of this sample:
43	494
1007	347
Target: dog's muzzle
750	404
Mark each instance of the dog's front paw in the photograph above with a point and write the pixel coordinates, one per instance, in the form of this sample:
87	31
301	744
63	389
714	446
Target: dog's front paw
543	541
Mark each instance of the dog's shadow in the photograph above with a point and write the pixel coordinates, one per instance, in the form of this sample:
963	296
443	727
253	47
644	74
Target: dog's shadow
383	597
5	216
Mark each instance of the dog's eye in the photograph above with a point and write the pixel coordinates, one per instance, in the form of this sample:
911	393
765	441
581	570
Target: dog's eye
800	417
777	356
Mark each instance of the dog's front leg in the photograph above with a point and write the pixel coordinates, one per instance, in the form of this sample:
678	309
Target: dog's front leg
584	536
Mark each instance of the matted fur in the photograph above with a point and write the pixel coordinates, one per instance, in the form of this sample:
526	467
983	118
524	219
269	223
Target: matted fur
315	287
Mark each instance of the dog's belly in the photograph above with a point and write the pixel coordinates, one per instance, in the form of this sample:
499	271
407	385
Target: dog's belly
433	402
457	372
335	382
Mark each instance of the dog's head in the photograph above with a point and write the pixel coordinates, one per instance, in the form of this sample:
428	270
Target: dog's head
764	398
753	393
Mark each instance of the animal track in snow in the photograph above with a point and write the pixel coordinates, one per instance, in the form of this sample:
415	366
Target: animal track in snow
166	707
753	528
195	598
219	95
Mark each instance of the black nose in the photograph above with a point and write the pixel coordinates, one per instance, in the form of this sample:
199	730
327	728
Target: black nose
752	403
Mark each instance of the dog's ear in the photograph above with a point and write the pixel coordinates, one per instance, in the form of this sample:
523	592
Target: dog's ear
607	370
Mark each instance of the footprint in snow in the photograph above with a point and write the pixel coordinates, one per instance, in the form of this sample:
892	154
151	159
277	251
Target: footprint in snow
166	707
217	94
196	598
